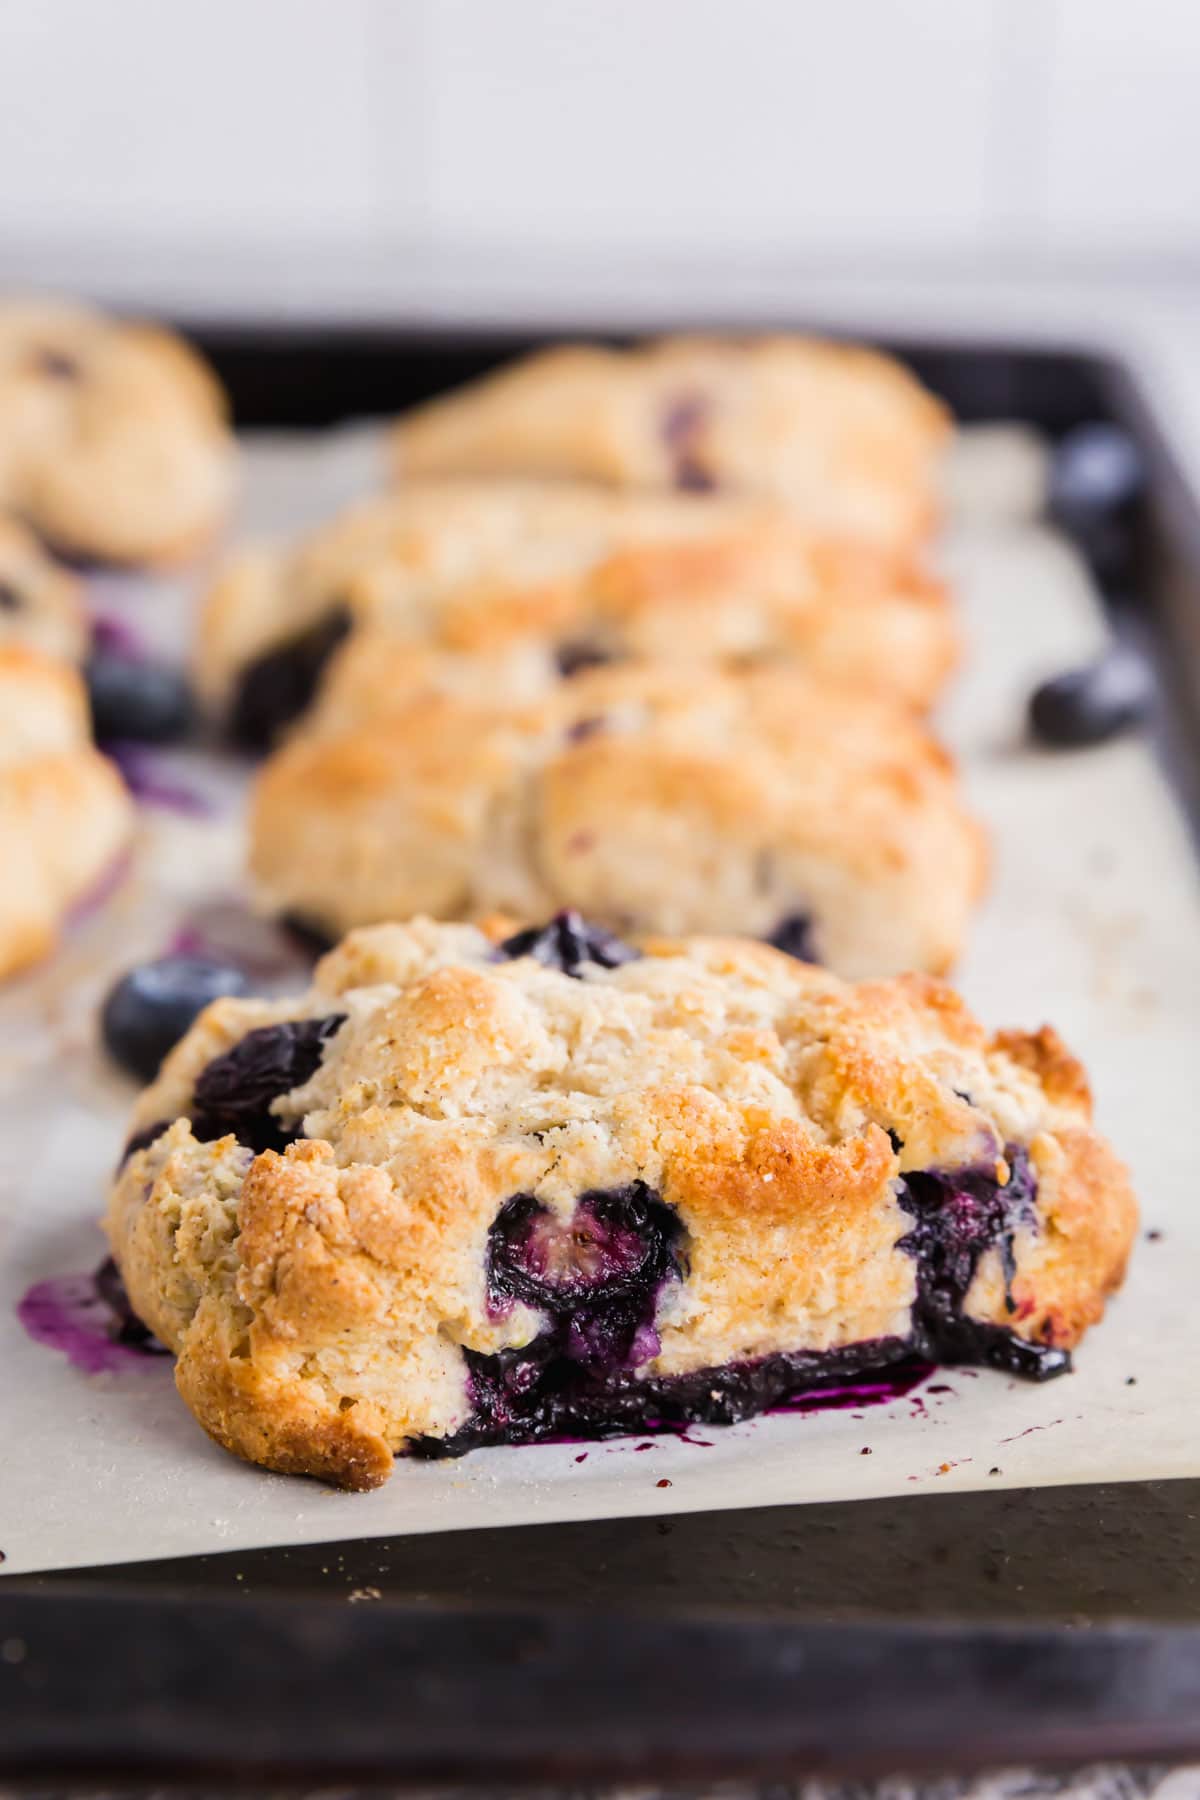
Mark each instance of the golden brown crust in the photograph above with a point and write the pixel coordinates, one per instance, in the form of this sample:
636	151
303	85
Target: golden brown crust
521	570
320	1301
65	816
650	798
114	441
845	437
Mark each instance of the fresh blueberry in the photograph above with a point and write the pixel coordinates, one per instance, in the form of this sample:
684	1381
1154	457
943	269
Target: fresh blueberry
794	934
147	1012
235	1091
1089	705
1097	470
568	942
281	684
146	702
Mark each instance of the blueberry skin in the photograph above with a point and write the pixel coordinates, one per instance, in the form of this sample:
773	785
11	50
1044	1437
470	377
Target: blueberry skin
147	1012
142	702
1097	471
1092	704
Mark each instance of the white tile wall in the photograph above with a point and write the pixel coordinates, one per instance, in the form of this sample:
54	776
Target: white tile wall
672	123
1124	143
386	134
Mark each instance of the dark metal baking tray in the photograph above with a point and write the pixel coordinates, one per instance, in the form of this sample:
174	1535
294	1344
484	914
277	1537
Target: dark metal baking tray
961	1630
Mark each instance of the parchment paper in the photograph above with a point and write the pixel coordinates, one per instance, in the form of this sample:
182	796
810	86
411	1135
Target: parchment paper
1091	923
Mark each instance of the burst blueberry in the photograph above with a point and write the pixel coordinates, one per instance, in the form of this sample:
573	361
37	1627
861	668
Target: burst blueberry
568	942
282	683
235	1091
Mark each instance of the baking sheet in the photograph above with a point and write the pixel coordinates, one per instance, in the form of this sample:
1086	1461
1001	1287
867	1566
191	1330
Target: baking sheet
1091	922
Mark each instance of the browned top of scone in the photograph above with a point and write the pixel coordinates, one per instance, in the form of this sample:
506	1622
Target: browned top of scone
113	435
320	1299
562	570
645	793
845	436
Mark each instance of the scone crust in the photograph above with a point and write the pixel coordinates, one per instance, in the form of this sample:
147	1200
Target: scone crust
65	816
846	437
523	569
649	798
320	1301
114	440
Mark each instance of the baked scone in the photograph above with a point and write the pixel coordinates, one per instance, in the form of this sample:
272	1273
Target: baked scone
114	441
568	574
464	1194
41	604
651	798
65	815
846	437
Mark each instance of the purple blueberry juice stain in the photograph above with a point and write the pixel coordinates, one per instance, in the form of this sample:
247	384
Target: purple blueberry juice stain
116	637
89	1320
152	784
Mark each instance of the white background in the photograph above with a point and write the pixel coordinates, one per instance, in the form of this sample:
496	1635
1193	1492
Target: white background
353	143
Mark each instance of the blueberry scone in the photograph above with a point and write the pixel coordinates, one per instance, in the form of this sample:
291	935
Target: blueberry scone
467	1193
847	438
65	816
41	605
651	798
569	575
114	442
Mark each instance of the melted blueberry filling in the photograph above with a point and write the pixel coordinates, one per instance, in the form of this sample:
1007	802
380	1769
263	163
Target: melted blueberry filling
596	1279
567	943
957	1216
281	684
795	934
234	1093
10	598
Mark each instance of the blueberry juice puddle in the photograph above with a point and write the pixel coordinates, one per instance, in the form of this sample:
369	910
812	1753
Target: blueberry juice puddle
595	1280
89	1319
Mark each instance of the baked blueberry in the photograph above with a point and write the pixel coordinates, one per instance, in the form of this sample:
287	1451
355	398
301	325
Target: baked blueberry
135	700
567	943
127	1328
1094	703
278	686
234	1092
573	656
148	1010
795	935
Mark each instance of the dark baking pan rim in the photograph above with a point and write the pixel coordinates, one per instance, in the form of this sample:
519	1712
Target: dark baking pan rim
1024	1625
293	1691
